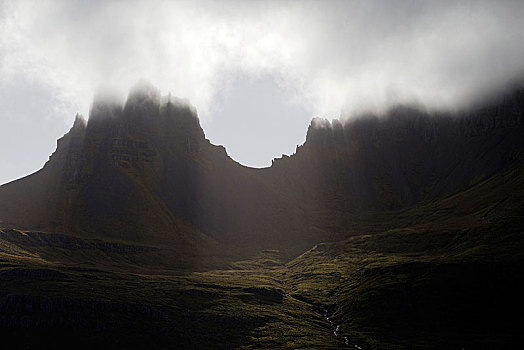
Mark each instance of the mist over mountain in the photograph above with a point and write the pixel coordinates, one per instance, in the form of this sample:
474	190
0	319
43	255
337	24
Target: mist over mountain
264	63
135	170
339	174
377	229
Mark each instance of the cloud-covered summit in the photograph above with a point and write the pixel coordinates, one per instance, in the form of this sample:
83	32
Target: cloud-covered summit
257	71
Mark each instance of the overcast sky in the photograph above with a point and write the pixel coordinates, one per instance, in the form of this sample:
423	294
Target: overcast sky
257	71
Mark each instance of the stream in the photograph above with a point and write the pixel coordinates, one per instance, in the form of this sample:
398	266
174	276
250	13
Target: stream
337	332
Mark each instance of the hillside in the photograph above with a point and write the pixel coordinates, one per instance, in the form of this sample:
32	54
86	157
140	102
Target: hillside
402	230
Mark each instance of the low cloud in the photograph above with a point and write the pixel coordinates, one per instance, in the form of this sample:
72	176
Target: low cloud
327	55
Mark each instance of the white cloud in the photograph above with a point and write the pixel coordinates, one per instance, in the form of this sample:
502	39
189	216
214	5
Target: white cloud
329	55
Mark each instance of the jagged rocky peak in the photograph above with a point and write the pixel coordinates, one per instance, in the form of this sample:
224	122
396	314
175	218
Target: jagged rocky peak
321	131
173	101
69	146
317	126
179	114
79	125
320	123
397	120
106	105
171	105
143	95
77	131
180	110
145	111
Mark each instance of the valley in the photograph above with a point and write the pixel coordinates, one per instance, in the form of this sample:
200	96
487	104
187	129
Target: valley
392	232
384	287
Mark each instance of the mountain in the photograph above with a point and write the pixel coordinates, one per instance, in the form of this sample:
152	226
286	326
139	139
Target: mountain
144	172
145	169
373	221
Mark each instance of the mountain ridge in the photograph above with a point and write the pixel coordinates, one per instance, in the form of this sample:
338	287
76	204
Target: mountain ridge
395	231
144	169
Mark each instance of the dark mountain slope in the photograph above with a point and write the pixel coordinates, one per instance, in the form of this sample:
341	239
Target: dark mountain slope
145	172
139	233
446	274
408	156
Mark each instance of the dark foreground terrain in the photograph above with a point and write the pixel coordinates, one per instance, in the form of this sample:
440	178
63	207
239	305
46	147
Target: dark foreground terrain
448	274
404	232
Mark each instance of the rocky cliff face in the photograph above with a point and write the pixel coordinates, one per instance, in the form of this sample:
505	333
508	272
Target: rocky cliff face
409	155
145	171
